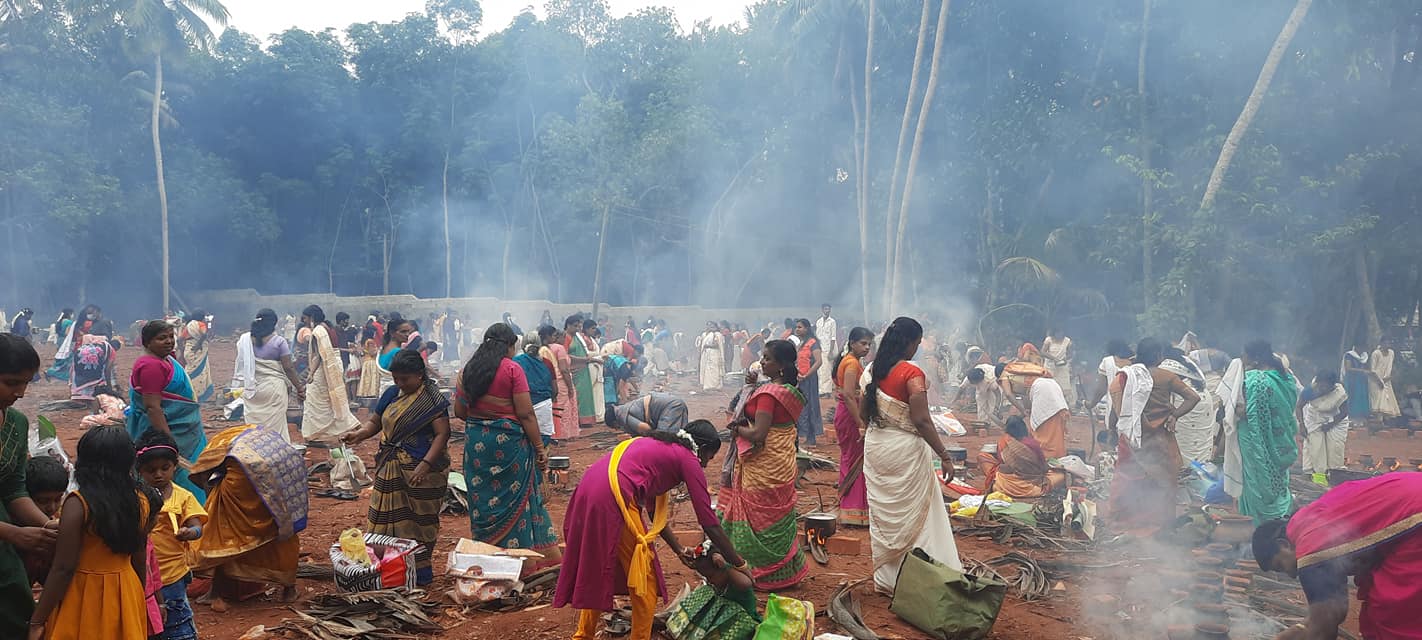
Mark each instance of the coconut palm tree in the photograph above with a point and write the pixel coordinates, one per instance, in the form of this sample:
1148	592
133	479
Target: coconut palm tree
161	26
1251	106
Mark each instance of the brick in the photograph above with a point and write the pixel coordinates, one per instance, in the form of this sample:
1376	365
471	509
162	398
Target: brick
690	538
843	545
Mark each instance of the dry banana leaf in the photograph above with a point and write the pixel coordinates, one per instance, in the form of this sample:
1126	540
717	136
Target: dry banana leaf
844	610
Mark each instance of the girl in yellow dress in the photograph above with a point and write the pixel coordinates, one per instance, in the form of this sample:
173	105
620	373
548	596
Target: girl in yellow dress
95	588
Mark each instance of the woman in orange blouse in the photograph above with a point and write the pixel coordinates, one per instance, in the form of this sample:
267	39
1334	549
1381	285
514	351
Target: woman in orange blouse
849	428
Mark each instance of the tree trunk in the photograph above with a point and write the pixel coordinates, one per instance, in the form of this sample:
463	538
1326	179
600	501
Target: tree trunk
335	242
1147	179
1251	106
889	219
508	250
1365	298
448	249
158	169
861	200
597	270
385	264
864	160
923	112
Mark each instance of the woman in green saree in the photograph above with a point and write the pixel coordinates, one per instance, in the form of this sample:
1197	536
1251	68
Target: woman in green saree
22	524
1266	434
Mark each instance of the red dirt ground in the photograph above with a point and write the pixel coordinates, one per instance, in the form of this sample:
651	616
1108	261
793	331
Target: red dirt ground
1072	614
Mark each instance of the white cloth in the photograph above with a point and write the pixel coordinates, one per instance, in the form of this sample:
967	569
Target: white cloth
906	509
326	414
827	330
1325	450
543	411
67	345
1134	396
1381	397
1195	431
1057	354
1230	391
1047	401
987	394
244	370
713	360
1108	370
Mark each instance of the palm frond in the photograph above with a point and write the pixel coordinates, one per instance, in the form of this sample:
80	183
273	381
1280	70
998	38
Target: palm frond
14	9
143	15
1055	238
213	10
193	27
1089	300
1028	269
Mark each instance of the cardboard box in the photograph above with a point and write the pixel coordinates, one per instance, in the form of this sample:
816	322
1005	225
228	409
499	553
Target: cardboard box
470	590
486	562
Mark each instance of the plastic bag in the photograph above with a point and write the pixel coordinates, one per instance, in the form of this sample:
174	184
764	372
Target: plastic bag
347	470
352	543
787	619
44	441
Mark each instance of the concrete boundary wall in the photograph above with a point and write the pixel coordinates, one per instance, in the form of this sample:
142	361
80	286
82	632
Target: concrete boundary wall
234	308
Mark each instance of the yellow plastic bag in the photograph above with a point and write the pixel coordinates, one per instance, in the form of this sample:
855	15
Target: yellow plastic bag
787	619
352	543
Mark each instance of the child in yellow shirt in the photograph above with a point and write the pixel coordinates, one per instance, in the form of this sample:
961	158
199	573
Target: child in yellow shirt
179	523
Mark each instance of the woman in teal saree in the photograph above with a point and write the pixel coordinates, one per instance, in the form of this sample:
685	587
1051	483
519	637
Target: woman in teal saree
161	397
1266	434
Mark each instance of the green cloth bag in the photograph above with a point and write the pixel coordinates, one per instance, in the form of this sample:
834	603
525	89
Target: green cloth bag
944	603
787	619
704	615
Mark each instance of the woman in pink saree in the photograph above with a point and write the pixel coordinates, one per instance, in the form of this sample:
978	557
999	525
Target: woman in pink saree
1369	529
565	407
849	428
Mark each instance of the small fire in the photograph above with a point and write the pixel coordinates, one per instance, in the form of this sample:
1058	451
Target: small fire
812	536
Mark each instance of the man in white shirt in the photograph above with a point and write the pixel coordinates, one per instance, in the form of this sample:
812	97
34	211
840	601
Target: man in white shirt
827	330
982	380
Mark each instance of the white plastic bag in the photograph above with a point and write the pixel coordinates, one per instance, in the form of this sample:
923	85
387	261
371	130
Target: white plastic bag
949	425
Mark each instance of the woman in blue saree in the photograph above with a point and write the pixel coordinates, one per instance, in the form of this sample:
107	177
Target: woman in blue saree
161	397
1356	373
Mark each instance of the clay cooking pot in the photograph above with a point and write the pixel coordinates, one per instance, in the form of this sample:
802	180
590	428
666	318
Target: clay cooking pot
1212	613
1206	593
1211	631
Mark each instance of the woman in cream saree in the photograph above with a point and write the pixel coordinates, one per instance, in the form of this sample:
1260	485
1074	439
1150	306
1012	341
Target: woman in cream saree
194	350
326	414
906	509
263	370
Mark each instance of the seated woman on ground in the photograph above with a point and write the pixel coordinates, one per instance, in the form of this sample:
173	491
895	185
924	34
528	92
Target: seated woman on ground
1019	468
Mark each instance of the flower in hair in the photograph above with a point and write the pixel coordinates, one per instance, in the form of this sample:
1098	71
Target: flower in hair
681	433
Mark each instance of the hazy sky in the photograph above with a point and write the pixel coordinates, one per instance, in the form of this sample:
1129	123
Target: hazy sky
265	17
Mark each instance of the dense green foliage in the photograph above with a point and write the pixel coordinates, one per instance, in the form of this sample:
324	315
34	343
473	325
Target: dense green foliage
726	160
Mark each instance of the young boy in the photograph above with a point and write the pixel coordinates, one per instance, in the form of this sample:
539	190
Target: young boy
47	481
179	523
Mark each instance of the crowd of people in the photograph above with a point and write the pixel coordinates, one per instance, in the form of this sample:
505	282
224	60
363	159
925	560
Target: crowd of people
237	503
